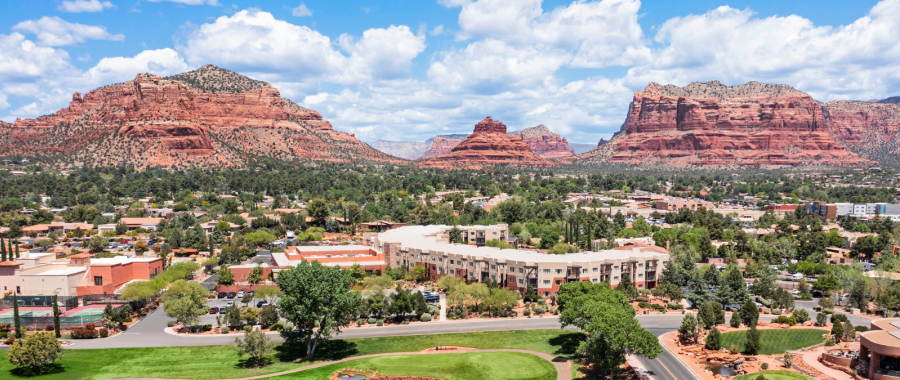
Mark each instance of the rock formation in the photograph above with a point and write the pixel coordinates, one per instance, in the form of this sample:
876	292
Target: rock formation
207	117
867	128
544	142
713	125
489	144
441	145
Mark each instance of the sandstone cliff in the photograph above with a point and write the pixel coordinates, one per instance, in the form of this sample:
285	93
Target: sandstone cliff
489	144
713	125
867	128
544	142
207	117
441	145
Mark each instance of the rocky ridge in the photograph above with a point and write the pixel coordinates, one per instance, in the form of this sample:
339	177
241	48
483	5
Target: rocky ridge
208	117
489	144
713	125
441	145
544	142
409	150
867	128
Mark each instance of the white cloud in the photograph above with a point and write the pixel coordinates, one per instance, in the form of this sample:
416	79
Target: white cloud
23	61
256	42
54	31
190	2
301	11
162	62
3	103
78	6
437	31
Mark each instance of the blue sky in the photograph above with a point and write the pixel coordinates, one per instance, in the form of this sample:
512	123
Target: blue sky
407	70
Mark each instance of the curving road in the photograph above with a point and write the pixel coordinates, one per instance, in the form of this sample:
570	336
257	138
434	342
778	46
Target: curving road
150	332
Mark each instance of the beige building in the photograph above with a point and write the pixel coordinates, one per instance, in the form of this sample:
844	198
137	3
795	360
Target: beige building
513	268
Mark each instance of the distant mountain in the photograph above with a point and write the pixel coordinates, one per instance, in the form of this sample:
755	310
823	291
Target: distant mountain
540	139
893	100
209	117
544	142
410	150
580	148
489	144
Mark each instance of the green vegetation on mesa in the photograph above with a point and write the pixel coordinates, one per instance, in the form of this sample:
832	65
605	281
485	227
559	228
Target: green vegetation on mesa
458	366
221	362
776	341
774	375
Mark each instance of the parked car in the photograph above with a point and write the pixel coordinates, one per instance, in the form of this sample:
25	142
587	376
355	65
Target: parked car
222	294
797	276
231	294
213	310
222	310
732	307
240	294
251	293
816	293
229	304
261	303
795	292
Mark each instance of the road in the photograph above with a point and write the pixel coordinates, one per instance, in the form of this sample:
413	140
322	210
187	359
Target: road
150	333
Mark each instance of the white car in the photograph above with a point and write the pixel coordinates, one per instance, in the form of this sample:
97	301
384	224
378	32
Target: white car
229	304
797	276
795	291
240	294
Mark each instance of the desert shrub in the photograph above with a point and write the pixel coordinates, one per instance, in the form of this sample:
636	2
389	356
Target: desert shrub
829	342
425	317
776	311
9	341
90	326
643	305
380	322
542	301
764	366
539	310
828	311
861	328
785	320
513	313
207	327
657	307
277	326
734	350
674	305
104	333
84	334
49	328
170	323
372	321
642	299
224	330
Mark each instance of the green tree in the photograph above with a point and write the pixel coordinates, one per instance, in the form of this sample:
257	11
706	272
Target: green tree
714	340
268	315
627	287
689	330
749	313
837	331
256	345
121	228
317	209
317	300
456	235
699	290
233	316
733	291
97	243
255	275
224	277
36	352
752	345
707	315
18	323
186	301
859	294
56	324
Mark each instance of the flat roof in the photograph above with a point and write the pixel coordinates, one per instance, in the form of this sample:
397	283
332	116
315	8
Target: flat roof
423	237
59	272
122	260
329	248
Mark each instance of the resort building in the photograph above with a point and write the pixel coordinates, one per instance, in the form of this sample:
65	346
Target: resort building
879	350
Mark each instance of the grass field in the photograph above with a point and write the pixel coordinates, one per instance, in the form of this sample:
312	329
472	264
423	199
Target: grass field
774	375
776	341
221	362
463	366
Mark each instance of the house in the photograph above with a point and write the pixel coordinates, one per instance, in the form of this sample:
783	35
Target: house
132	224
81	274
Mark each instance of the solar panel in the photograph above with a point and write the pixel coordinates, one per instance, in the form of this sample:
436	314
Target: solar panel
896	324
895	334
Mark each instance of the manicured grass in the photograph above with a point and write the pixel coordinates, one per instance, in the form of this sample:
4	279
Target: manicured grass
221	362
776	341
461	366
774	375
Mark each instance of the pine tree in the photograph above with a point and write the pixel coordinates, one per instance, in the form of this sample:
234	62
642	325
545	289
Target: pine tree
2	250
17	250
16	320
56	324
707	315
689	330
752	345
837	331
714	340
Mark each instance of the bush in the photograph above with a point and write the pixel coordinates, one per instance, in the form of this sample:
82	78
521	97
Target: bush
224	330
734	350
425	317
643	305
642	299
3	335
379	322
674	305
644	291
764	366
104	333
5	327
277	326
776	311
84	334
829	342
542	301
828	311
657	307
127	320
170	323
207	327
526	312
9	341
49	328
861	328
248	328
785	320
539	310
90	326
513	313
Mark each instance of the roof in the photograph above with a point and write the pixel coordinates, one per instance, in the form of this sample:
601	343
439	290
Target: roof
59	272
141	220
81	256
9	263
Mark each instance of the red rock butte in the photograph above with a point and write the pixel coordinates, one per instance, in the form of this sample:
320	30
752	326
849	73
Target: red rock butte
544	142
489	144
206	117
713	125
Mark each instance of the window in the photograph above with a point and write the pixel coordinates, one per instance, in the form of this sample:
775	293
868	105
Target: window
521	270
471	264
558	282
559	271
546	271
640	276
640	265
640	286
451	261
432	259
546	294
513	281
441	259
616	267
584	270
595	270
493	267
494	277
665	263
98	280
594	280
615	278
521	281
546	282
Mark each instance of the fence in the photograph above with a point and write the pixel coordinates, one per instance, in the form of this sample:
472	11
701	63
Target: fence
36	312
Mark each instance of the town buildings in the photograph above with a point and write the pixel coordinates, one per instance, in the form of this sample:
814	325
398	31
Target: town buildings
81	274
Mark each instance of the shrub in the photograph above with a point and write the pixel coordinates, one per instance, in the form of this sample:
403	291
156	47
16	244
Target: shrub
539	310
9	341
674	305
49	328
643	305
776	311
829	342
207	327
785	320
5	326
801	315
526	312
224	330
644	291
170	323
658	307
542	301
425	317
513	313
127	320
3	335
84	334
642	299
104	333
277	326
766	311
734	350
90	326
828	311
248	328
372	321
764	366
861	328
380	322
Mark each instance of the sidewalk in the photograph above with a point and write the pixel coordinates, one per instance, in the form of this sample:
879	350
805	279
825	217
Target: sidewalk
811	358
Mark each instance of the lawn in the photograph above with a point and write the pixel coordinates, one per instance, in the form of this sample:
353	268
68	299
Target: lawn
461	366
221	362
774	375
776	341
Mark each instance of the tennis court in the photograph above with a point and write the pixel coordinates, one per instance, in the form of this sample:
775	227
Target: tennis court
8	316
90	315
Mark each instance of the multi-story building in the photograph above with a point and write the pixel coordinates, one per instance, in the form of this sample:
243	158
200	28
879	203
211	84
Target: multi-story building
513	268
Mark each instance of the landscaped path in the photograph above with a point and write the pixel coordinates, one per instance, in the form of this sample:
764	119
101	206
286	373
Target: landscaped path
811	358
563	369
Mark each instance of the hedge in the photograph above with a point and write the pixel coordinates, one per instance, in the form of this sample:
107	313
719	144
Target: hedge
84	334
425	317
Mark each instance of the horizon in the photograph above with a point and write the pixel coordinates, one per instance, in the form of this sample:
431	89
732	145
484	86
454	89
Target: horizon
421	69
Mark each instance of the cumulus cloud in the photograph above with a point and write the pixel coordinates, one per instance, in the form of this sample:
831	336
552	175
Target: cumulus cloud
301	11
162	62
54	31
190	2
437	31
23	61
3	103
254	41
78	6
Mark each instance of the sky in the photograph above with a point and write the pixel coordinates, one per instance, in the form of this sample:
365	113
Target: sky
412	69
